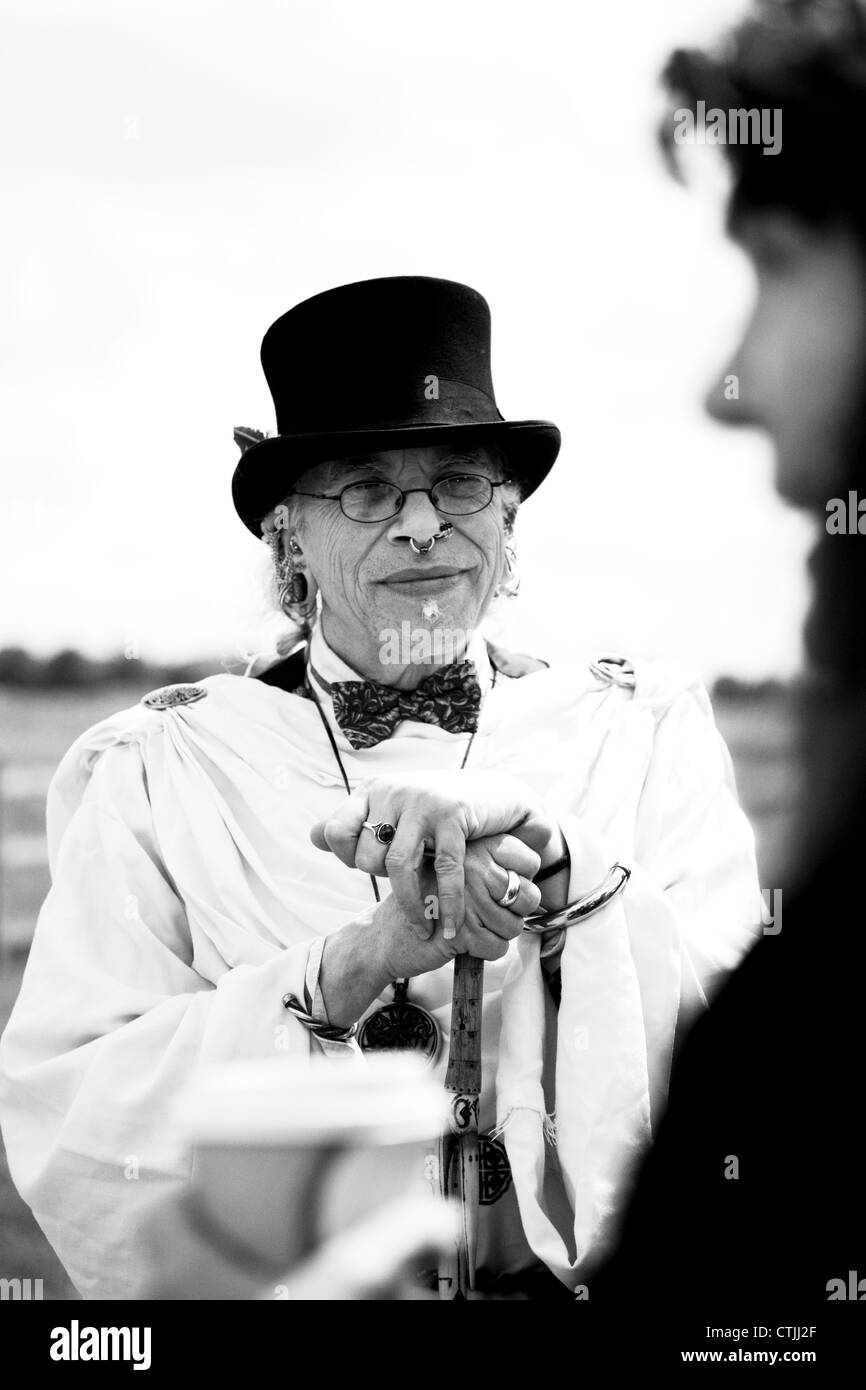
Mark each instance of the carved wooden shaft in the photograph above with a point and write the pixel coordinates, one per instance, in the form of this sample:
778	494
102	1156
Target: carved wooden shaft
458	1149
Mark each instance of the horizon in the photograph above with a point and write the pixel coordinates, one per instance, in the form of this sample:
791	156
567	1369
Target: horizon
178	179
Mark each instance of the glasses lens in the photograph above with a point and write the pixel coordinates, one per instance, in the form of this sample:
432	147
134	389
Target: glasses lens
371	501
462	493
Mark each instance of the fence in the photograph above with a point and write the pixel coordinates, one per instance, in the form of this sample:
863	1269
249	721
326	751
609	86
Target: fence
762	734
24	878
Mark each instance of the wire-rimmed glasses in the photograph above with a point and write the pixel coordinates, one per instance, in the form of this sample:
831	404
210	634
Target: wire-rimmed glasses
371	500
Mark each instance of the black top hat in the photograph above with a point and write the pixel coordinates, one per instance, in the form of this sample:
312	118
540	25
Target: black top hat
379	365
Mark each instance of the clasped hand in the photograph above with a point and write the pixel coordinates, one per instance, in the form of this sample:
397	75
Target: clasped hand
456	836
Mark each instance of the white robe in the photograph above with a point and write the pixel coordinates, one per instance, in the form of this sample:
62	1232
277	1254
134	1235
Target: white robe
186	896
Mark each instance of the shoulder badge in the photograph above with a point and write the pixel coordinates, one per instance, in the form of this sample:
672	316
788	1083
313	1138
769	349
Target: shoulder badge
168	696
613	670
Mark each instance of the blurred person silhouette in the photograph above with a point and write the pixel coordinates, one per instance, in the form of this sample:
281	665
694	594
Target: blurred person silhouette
751	1198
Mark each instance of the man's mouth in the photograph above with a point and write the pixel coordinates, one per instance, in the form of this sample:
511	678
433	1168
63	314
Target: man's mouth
423	575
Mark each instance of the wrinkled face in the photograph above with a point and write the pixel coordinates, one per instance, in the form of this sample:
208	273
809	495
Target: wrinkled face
371	580
801	363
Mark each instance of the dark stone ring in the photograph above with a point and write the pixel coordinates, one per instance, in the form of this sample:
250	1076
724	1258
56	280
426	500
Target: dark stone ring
383	831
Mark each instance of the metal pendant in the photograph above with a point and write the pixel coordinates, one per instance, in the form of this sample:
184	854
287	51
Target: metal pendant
494	1170
401	1027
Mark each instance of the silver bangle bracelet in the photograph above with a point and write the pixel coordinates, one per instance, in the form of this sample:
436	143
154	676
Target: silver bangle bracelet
321	1030
541	922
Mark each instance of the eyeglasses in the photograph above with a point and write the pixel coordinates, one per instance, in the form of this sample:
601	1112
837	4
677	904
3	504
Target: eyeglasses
457	494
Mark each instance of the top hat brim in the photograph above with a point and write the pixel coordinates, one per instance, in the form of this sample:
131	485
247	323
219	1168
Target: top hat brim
268	470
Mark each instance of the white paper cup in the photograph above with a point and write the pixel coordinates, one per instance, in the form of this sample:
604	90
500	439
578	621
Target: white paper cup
288	1154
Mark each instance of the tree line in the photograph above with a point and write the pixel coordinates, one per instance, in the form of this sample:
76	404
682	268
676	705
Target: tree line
70	669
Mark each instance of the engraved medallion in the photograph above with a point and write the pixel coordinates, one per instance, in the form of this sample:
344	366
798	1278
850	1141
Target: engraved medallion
494	1170
169	696
401	1027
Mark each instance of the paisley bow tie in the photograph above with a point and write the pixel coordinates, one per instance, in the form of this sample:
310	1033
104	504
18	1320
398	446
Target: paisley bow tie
368	712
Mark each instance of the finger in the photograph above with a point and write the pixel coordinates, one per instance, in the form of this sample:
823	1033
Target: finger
448	861
382	809
317	835
477	941
403	858
527	899
367	1260
511	853
340	831
483	914
370	854
535	830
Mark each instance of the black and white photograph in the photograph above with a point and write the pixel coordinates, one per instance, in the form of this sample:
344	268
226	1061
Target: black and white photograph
432	679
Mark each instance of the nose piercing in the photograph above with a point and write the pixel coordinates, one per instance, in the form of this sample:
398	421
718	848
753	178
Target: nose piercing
425	549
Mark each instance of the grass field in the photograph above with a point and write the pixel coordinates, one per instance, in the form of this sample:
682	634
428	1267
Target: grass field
37	727
24	1251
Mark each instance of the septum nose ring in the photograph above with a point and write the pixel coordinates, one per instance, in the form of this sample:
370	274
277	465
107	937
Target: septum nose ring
425	549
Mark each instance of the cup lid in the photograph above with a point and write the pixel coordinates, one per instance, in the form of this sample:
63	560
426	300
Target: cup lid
387	1099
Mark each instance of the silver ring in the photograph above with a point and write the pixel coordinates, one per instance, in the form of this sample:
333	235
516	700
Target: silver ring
512	892
382	830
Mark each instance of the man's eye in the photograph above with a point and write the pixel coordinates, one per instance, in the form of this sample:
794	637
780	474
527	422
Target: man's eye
370	495
777	244
462	484
772	257
373	489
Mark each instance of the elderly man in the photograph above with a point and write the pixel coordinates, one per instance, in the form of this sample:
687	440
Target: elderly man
301	856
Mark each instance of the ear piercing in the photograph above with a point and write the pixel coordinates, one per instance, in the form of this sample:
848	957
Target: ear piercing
297	595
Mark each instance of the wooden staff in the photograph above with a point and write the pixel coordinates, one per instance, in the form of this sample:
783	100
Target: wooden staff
459	1171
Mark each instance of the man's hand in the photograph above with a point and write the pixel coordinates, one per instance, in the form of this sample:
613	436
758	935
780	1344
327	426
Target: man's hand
433	814
416	947
360	958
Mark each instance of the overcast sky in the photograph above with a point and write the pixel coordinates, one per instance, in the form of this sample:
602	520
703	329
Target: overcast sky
177	175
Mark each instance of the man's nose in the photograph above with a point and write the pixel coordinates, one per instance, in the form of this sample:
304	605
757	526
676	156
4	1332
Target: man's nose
418	520
724	401
731	398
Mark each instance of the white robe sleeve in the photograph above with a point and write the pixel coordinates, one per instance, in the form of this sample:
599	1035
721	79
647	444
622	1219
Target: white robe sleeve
694	840
692	908
112	1020
688	914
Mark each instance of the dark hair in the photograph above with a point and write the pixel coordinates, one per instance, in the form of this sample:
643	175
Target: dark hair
808	59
